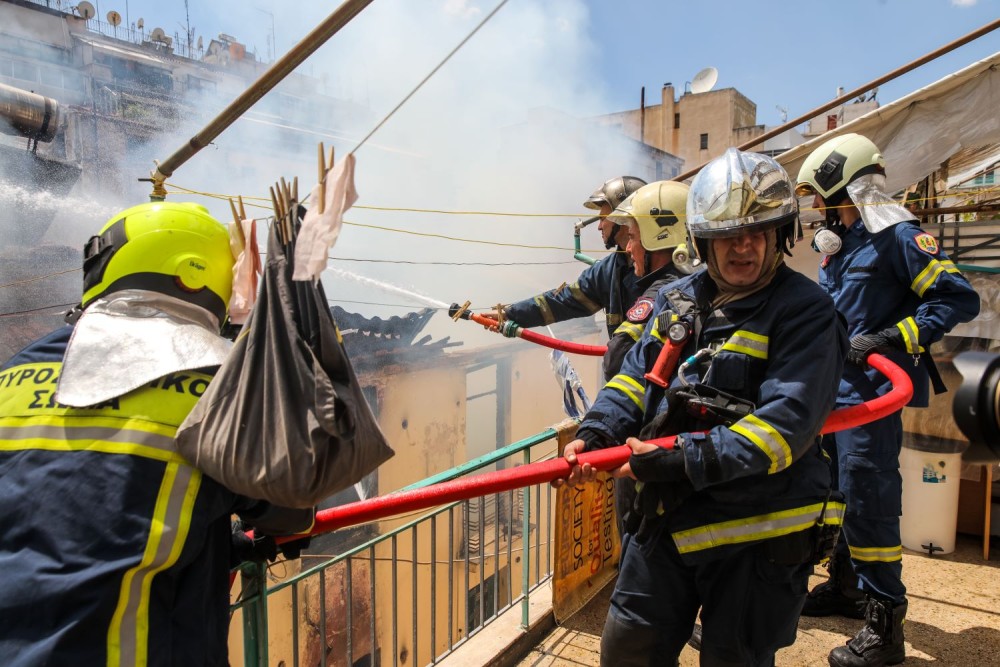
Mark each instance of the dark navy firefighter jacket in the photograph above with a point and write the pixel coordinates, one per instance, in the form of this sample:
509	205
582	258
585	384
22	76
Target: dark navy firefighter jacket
899	278
608	284
114	549
764	476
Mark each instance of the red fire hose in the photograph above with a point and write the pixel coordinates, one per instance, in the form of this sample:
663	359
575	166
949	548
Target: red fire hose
545	341
604	459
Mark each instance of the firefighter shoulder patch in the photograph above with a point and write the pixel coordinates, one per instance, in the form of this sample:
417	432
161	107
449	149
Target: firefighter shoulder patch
641	311
927	243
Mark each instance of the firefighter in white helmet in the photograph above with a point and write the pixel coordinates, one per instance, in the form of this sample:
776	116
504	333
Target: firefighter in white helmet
899	293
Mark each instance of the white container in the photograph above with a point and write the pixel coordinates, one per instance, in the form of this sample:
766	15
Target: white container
931	469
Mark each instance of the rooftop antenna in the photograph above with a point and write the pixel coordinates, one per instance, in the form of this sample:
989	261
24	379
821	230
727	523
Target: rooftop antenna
86	10
704	80
783	111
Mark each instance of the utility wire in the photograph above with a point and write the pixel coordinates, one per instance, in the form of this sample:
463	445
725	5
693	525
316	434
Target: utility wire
427	78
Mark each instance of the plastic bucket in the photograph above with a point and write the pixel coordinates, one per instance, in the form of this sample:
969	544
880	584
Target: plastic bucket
931	469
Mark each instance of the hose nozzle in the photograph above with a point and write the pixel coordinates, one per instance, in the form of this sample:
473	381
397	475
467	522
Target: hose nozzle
456	311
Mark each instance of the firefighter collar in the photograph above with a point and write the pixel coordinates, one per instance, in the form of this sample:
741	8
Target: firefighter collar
131	338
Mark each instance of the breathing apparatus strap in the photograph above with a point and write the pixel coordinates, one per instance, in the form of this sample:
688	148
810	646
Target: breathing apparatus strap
933	373
685	308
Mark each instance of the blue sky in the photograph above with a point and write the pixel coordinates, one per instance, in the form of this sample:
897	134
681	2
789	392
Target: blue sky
777	52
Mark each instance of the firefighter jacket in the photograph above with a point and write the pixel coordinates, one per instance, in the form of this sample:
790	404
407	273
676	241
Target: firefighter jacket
899	278
608	284
630	330
115	551
764	476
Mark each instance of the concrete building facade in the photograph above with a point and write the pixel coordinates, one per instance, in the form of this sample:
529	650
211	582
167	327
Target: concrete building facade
695	127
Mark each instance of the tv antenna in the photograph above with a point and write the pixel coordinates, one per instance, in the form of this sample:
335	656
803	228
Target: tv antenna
783	111
704	80
86	10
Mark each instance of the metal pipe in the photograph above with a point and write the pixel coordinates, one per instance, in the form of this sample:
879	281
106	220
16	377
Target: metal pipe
268	80
28	114
951	46
578	252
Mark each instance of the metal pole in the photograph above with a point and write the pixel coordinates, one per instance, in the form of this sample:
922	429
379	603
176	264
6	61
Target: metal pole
268	80
989	27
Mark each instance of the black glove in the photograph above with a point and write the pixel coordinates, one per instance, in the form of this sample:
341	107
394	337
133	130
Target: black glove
293	549
242	548
592	438
659	465
864	344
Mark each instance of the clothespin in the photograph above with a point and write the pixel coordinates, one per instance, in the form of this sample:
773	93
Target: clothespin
461	310
500	317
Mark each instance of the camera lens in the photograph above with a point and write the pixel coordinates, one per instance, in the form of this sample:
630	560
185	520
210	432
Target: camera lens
976	403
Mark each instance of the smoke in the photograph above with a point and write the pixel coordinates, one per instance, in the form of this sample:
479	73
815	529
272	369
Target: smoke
498	129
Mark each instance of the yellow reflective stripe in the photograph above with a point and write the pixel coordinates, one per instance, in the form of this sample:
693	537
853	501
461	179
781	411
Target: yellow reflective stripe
633	330
629	387
655	332
578	294
877	554
543	308
754	528
108	436
748	343
911	335
926	278
767	439
128	634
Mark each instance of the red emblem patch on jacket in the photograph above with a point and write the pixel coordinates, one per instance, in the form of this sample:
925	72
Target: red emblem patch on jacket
927	243
641	311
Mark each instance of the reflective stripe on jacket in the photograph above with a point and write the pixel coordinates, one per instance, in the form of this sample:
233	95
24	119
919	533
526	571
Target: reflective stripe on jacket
899	278
118	550
764	476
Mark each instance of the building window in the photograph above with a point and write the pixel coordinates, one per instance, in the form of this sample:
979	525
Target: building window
989	178
831	122
677	120
704	141
659	170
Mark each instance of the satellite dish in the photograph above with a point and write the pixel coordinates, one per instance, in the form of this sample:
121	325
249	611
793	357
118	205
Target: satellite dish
86	10
140	24
114	18
157	35
704	80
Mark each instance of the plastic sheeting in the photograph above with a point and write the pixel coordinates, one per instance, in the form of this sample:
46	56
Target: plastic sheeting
919	132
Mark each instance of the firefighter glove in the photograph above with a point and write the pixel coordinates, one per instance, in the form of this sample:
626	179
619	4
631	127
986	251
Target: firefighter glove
864	344
658	465
293	549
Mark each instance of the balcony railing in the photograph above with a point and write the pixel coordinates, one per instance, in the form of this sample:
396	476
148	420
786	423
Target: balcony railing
413	594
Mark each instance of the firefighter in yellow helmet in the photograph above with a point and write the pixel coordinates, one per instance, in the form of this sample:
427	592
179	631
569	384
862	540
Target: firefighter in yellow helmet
120	550
608	285
899	293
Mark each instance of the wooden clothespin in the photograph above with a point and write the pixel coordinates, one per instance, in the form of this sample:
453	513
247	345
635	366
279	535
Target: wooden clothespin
458	313
500	315
561	287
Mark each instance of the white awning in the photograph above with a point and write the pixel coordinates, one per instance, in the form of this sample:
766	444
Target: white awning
917	133
128	54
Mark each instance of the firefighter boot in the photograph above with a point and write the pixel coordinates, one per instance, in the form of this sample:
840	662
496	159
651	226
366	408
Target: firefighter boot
838	596
880	641
695	640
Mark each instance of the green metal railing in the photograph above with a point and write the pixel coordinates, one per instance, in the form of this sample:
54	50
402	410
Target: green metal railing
365	625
